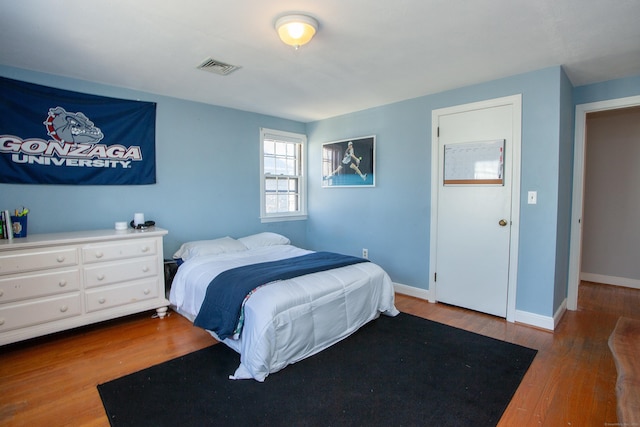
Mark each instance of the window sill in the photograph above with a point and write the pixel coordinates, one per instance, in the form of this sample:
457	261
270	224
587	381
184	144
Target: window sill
296	217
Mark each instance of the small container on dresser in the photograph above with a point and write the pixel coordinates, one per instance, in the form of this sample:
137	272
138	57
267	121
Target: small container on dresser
54	282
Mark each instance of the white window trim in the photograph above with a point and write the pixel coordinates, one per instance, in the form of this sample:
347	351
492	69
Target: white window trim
284	216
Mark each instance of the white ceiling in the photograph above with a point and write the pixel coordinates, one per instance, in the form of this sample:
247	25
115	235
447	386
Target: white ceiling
366	53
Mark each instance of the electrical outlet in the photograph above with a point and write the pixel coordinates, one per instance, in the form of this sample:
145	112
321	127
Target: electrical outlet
365	253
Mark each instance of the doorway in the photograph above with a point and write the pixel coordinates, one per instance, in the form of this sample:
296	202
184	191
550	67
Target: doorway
575	249
471	275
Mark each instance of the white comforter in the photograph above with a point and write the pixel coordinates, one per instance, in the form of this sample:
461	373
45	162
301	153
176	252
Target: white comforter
288	320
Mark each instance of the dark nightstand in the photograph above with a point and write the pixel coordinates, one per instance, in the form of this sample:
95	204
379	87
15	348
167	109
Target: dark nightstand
170	269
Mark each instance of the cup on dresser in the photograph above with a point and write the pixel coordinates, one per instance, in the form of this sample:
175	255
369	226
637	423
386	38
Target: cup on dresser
19	225
138	218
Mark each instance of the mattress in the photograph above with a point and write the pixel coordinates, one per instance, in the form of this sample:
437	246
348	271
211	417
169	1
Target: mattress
288	320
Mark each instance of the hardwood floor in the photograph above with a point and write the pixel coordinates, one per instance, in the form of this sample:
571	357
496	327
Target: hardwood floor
52	380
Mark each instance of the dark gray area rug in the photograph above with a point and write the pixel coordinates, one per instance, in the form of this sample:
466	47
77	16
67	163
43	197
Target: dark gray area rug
400	371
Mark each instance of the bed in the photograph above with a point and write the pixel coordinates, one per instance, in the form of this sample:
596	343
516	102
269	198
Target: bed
284	321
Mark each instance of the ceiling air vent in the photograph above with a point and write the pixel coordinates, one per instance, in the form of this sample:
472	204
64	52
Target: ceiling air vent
217	67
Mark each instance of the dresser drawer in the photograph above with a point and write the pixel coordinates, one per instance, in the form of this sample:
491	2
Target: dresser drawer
112	296
119	250
13	316
14	288
113	272
37	259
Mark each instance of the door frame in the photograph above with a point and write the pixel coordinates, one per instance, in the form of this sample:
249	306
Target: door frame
516	102
577	202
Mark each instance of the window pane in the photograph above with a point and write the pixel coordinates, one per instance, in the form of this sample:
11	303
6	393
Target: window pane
269	165
270	184
269	146
283	203
270	203
293	202
283	185
291	166
281	165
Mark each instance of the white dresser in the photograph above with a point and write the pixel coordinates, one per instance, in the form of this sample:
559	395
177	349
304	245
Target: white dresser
53	282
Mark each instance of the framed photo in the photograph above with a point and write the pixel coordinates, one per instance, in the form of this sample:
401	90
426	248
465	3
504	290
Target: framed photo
349	162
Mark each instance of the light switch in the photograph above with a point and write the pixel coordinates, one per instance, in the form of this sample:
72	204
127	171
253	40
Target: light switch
532	197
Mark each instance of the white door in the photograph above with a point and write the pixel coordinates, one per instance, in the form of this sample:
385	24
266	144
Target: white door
474	219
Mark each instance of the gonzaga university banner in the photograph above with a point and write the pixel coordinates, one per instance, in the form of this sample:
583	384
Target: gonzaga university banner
54	136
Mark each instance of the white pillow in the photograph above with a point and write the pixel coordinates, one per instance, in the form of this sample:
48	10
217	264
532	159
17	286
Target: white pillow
264	239
209	247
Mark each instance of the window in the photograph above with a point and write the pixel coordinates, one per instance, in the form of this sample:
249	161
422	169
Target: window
283	185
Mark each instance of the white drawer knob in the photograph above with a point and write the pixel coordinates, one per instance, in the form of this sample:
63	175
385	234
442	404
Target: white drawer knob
100	277
1	321
64	308
1	292
62	283
145	249
60	258
145	269
99	254
102	300
147	291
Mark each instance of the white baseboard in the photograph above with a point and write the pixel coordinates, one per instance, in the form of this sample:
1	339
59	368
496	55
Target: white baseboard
559	313
531	319
412	291
540	321
610	280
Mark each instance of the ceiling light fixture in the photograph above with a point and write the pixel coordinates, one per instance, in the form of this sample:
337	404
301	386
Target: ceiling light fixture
296	30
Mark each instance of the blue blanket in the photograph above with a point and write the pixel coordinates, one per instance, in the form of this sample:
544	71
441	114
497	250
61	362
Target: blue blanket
222	303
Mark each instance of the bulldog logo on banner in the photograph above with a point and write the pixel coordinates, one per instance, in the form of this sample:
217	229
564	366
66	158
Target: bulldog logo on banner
92	140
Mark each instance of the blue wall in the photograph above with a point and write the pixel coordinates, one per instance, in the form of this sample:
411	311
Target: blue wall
207	166
208	179
612	89
565	187
392	220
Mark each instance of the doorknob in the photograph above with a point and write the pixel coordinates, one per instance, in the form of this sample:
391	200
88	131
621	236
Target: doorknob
502	222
